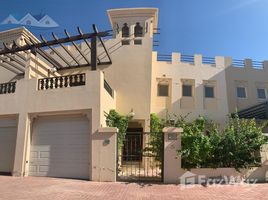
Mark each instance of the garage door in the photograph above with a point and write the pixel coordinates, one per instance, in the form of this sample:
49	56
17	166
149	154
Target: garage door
60	147
8	133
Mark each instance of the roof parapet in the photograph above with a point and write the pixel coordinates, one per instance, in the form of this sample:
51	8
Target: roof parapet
218	61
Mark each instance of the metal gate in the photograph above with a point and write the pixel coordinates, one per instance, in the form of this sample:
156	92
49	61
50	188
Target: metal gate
140	158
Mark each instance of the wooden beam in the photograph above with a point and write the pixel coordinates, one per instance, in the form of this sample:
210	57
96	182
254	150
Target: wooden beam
54	42
94	53
16	60
56	51
82	66
7	67
77	48
45	55
65	48
15	45
102	43
85	40
11	64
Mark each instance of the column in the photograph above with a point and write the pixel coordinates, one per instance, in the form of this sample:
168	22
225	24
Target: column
172	161
21	145
104	155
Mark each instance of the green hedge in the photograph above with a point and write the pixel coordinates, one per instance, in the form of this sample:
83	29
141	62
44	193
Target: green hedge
237	146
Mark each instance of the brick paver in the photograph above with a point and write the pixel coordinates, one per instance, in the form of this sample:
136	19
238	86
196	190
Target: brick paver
31	188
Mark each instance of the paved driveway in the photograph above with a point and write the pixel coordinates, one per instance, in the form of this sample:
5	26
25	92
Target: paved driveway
31	188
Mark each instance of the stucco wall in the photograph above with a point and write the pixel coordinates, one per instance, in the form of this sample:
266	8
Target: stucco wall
28	102
198	74
248	77
18	35
108	102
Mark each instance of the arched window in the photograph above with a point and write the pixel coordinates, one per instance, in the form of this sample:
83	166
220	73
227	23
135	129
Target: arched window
125	31
47	22
138	30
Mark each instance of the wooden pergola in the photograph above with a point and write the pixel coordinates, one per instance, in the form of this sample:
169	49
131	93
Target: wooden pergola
14	61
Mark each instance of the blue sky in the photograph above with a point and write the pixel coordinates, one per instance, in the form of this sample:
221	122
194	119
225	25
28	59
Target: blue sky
237	28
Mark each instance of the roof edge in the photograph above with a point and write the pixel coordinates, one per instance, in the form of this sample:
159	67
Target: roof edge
23	30
156	10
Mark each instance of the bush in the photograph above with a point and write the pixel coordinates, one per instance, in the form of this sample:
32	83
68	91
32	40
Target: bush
155	144
114	119
237	146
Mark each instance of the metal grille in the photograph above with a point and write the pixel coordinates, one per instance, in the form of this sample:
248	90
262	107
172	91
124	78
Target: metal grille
140	158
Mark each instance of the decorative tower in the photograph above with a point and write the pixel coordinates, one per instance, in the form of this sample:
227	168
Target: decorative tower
133	24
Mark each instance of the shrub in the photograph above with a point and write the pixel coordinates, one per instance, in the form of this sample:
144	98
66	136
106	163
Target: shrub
237	146
114	119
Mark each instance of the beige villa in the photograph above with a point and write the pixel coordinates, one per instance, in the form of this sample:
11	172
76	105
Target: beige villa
54	98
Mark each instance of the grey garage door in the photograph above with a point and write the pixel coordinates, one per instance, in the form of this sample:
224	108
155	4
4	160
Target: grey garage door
60	147
8	133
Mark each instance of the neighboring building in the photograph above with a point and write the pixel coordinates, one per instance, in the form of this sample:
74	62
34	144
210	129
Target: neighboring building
41	118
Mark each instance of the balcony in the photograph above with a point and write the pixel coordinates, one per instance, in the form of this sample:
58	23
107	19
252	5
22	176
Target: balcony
62	82
75	92
7	88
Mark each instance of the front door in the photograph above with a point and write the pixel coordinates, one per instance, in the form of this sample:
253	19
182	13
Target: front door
133	146
140	159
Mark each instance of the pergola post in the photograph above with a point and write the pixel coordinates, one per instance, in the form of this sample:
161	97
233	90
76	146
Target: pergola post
94	52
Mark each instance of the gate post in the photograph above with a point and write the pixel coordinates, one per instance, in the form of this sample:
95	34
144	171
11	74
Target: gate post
104	155
172	161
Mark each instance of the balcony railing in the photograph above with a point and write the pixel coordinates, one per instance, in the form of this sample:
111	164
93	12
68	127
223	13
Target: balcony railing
164	57
238	63
108	88
7	88
208	60
62	82
187	59
257	64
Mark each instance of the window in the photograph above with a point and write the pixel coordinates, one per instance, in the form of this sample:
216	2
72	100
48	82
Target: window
241	92
138	42
261	93
125	31
28	22
138	30
47	22
209	91
186	90
163	90
125	42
